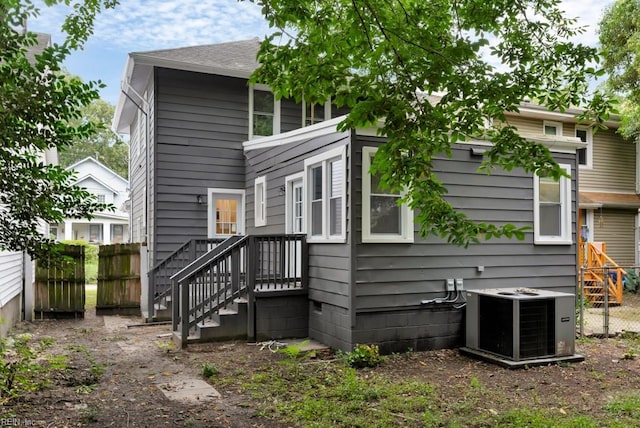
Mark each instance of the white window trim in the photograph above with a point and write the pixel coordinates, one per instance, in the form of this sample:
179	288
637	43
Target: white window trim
260	201
288	201
565	221
322	159
327	112
589	147
558	126
276	111
211	227
406	213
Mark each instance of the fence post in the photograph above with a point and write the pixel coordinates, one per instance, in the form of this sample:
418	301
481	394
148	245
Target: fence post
606	302
581	301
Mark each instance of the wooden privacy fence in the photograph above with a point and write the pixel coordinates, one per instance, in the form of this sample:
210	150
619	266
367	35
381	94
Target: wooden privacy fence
59	289
118	279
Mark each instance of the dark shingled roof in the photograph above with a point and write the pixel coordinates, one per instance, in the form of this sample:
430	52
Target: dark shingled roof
239	55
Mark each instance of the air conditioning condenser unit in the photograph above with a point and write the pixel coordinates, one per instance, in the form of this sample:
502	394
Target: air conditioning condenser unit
520	326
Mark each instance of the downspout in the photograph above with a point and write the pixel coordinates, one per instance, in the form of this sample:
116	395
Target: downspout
146	155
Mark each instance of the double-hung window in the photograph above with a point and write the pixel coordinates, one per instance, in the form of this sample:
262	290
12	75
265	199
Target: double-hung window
585	155
315	113
325	178
383	219
260	207
552	209
264	112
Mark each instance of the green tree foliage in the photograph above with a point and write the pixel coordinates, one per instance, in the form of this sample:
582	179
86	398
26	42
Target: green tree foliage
105	145
619	33
436	72
38	104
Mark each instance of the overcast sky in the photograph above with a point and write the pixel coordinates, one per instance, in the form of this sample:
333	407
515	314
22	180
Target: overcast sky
140	25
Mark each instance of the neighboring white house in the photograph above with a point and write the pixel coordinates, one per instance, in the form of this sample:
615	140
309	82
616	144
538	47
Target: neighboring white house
110	227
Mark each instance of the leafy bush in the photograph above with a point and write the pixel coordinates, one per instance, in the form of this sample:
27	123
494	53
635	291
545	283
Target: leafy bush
209	370
631	282
364	356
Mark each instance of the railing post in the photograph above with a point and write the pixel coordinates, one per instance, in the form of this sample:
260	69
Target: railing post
151	294
175	305
235	271
184	313
304	267
251	282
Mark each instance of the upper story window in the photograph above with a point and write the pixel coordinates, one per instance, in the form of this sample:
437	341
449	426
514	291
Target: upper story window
383	220
264	112
585	155
551	128
552	209
101	199
315	113
260	207
326	184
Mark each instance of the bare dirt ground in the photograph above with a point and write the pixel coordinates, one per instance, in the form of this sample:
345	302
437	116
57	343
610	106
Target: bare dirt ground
137	361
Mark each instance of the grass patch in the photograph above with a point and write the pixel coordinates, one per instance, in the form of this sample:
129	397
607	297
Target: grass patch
312	393
91	297
324	394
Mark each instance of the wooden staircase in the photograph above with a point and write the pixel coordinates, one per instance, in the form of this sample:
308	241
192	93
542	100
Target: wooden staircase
213	298
602	277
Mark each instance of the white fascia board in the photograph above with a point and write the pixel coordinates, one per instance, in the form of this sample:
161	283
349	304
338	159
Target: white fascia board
295	136
97	180
122	99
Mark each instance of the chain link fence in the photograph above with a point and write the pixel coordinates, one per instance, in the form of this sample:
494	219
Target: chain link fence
608	301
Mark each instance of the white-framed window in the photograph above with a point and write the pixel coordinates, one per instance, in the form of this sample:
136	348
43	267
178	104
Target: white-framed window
294	204
260	201
95	233
315	113
53	232
552	209
551	128
117	233
585	155
225	212
325	178
383	220
101	199
264	112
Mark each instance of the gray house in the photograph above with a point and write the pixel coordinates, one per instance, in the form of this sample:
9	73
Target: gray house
262	220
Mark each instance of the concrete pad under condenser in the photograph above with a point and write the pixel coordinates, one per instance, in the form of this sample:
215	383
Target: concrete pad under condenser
189	391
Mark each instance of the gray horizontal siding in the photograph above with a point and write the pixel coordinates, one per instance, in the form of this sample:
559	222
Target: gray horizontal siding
200	123
396	276
329	275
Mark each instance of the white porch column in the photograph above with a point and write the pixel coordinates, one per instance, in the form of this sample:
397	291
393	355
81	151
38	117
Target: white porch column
68	230
106	230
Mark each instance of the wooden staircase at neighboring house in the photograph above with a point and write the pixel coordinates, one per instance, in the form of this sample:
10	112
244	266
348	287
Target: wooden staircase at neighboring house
601	276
